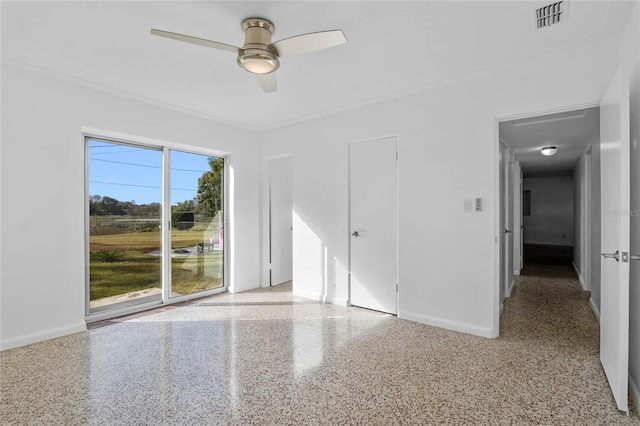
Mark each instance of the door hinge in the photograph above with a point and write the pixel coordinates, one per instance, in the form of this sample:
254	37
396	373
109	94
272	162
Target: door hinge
396	287
396	155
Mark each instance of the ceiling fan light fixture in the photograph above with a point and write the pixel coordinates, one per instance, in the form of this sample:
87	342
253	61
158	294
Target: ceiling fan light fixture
548	151
258	55
258	61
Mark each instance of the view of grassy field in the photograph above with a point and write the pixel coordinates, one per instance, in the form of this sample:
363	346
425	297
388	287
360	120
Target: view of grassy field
126	262
126	201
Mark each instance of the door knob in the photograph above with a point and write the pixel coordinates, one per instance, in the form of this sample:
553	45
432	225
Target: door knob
507	231
615	255
355	234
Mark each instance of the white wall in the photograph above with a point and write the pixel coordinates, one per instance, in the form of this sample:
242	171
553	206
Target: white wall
447	140
551	219
43	194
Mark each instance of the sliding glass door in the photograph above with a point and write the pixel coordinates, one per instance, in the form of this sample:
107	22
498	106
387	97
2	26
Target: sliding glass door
197	223
125	213
132	191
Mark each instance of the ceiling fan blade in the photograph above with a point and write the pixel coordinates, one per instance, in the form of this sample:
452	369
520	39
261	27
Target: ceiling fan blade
309	42
267	82
195	40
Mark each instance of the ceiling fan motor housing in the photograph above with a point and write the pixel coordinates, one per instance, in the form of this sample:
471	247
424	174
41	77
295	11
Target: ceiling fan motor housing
256	56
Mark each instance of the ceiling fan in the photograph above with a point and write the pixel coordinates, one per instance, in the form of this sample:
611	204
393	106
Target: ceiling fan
259	55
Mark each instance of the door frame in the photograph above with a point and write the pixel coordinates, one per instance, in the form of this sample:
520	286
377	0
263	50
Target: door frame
265	214
586	234
397	201
509	212
269	216
517	218
498	277
163	146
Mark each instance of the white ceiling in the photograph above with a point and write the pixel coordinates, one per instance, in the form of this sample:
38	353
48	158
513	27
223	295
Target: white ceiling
569	131
394	48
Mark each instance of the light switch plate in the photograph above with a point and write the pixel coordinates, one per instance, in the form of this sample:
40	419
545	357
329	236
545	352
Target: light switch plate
466	206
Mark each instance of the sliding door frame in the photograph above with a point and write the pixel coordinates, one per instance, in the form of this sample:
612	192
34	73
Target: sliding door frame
165	147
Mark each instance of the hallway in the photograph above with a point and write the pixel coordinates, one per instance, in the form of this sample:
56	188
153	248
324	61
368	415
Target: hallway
549	309
268	357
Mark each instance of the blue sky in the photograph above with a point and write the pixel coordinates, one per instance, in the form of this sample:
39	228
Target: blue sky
129	173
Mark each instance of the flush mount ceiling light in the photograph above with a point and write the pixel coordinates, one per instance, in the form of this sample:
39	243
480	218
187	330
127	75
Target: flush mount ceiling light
548	151
256	56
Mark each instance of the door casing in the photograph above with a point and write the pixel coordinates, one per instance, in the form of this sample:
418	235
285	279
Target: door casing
499	271
280	244
395	227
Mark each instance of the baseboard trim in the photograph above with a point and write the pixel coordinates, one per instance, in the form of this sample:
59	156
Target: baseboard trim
501	307
449	325
594	308
308	295
635	392
42	335
516	272
510	290
575	268
239	289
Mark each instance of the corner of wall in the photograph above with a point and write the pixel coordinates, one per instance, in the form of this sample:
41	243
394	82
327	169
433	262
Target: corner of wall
594	308
308	295
450	325
42	335
635	392
575	268
335	301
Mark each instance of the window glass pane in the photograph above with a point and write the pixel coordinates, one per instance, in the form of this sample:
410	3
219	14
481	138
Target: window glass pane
197	223
125	211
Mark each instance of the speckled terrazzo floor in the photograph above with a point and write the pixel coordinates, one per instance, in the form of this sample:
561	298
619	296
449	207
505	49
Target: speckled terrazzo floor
266	357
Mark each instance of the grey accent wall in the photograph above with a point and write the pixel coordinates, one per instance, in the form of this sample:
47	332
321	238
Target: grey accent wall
551	219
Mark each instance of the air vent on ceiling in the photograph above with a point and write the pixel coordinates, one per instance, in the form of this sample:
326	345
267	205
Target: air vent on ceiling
551	14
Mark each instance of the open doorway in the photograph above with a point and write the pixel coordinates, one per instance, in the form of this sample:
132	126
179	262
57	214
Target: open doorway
552	199
549	185
280	220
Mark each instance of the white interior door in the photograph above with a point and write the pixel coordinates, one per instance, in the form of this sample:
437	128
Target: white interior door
517	217
373	224
509	223
506	222
520	230
503	222
634	273
614	305
280	220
